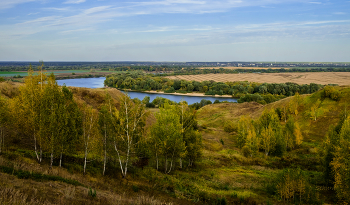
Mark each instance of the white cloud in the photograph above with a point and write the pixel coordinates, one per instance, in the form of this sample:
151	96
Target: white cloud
5	4
339	13
96	9
74	1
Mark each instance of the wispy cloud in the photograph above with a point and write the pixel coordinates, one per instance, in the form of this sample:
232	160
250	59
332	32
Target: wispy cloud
74	1
339	13
5	4
76	30
33	13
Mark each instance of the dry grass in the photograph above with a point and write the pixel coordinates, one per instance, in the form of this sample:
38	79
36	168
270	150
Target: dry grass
340	78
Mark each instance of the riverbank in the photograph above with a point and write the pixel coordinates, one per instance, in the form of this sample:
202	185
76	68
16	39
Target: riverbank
187	94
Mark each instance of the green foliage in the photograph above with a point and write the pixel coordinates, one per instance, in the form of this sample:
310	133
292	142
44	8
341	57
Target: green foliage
293	186
230	127
261	93
331	93
220	201
92	193
2	79
135	188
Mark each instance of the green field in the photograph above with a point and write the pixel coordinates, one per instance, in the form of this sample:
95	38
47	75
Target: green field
11	74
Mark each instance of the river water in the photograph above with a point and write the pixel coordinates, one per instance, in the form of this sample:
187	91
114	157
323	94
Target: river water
98	83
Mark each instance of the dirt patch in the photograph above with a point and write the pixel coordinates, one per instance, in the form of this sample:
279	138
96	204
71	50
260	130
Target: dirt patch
340	78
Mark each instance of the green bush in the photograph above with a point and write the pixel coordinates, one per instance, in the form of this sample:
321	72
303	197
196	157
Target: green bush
230	127
92	193
135	188
246	151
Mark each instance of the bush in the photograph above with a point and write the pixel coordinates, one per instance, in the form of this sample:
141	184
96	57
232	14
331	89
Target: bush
135	188
230	127
92	193
331	93
150	105
246	151
2	79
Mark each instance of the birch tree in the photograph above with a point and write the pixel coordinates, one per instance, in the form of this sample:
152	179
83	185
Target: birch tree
71	124
53	118
107	115
167	137
130	129
29	101
90	119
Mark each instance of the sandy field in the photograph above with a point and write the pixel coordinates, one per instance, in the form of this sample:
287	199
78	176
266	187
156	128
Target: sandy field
233	68
340	78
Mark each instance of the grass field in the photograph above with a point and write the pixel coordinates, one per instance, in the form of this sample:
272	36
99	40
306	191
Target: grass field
340	78
24	73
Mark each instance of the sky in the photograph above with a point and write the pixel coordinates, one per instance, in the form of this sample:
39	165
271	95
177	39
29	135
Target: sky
175	30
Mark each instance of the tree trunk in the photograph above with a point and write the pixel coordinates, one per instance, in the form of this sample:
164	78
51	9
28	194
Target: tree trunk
85	160
35	148
1	137
61	160
51	159
105	157
157	160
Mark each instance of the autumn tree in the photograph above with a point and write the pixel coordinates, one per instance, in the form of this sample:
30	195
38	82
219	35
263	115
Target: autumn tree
252	142
270	132
71	124
90	130
316	110
29	105
340	164
244	125
130	131
107	120
167	138
331	142
53	127
4	118
192	138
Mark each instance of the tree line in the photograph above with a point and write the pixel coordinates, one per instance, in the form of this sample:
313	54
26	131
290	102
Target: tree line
48	118
259	92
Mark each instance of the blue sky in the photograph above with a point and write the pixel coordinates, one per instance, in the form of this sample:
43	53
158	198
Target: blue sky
175	30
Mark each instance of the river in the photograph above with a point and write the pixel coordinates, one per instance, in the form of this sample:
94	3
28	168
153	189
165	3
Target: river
98	83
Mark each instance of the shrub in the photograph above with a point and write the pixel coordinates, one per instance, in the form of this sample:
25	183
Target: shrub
230	127
331	93
92	192
246	151
135	188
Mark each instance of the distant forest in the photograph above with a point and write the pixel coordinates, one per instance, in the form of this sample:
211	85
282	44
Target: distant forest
161	68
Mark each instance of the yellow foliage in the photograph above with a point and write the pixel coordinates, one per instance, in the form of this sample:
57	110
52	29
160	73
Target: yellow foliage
298	135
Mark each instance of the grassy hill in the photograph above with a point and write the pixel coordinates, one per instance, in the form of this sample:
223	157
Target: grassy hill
223	176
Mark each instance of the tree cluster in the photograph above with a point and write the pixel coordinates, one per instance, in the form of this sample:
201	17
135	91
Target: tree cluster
260	92
55	124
